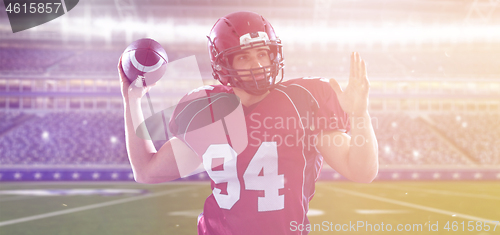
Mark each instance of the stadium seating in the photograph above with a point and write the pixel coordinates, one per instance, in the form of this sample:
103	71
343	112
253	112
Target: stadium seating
95	138
89	63
476	134
84	138
30	60
390	63
408	141
66	139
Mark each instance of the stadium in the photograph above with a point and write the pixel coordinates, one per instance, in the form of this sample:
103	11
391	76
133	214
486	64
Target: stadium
434	100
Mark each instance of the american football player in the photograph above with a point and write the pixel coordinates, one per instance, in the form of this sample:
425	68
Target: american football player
289	128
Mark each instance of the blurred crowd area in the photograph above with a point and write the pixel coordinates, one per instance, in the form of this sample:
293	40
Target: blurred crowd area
416	74
56	62
447	61
63	106
478	135
62	138
26	61
97	138
433	68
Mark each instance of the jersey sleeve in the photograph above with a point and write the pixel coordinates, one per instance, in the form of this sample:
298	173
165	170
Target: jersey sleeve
191	114
209	115
184	109
329	114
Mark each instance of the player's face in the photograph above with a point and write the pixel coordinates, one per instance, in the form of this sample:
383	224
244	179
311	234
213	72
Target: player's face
253	58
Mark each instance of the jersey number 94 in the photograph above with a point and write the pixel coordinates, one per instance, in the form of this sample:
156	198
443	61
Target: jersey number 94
265	160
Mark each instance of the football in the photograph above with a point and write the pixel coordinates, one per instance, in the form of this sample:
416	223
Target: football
144	58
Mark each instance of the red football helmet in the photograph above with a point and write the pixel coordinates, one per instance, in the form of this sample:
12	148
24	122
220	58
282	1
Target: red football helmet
241	31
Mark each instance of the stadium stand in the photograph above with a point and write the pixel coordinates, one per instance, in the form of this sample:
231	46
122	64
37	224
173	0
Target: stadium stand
10	120
477	134
100	62
389	63
84	138
404	140
30	60
75	138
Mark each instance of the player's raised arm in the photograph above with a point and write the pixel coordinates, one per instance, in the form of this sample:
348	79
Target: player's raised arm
357	158
149	165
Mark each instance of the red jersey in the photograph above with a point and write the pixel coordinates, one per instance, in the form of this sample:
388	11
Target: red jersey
266	186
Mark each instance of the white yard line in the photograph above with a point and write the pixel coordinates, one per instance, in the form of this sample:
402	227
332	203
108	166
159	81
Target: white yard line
5	199
411	205
93	206
444	192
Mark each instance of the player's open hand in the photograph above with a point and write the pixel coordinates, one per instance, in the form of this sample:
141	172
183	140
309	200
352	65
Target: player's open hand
135	90
354	99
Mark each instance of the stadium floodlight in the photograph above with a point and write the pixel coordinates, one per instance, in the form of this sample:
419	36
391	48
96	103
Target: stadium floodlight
45	135
390	33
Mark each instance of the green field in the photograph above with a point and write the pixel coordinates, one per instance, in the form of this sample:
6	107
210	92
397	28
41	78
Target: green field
173	208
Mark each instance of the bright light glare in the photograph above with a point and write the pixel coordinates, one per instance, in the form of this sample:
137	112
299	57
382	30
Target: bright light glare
345	33
45	135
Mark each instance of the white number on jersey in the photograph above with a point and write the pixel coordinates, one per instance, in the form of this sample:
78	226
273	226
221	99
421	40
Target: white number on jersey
217	151
265	160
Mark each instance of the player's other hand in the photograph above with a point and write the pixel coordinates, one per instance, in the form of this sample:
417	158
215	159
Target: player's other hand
354	99
131	91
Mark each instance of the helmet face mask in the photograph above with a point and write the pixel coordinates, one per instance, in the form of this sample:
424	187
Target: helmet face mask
254	80
237	33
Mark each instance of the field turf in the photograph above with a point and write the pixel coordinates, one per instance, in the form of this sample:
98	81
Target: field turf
172	208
